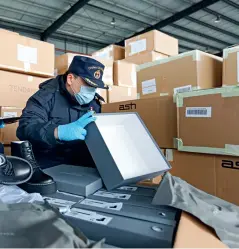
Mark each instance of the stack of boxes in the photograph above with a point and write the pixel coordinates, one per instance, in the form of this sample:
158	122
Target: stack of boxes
23	66
191	116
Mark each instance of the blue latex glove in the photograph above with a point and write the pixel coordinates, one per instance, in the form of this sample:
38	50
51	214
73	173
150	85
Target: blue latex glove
2	125
75	130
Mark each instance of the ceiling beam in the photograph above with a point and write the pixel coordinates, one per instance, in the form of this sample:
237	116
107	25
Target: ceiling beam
62	19
233	4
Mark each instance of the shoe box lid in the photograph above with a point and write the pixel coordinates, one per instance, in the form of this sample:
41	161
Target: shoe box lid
123	149
121	231
75	179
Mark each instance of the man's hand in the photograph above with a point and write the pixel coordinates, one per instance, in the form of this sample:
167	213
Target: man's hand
75	130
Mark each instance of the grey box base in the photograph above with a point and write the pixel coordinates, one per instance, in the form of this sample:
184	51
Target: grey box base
75	179
161	215
126	232
135	190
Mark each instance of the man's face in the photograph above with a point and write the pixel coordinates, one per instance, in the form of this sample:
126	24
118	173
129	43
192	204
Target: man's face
74	83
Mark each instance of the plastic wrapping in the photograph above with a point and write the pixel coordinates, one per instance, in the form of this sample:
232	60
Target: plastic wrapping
14	194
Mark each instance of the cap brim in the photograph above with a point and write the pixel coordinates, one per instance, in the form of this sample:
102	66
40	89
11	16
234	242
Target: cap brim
95	83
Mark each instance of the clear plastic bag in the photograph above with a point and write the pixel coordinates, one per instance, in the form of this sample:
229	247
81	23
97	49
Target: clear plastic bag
14	194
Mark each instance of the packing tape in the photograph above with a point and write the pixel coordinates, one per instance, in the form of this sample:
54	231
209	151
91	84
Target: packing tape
232	91
230	150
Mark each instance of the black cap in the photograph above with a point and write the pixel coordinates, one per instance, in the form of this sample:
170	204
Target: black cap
89	69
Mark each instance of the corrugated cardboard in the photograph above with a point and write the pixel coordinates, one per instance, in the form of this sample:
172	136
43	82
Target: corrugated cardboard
9	131
103	94
208	121
192	233
124	74
62	63
158	114
185	72
151	41
112	52
26	55
121	93
216	175
17	88
145	57
230	66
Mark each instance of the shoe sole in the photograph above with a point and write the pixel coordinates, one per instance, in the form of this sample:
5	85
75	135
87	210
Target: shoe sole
43	189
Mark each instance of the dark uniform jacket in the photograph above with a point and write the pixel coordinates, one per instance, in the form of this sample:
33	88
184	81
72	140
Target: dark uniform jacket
48	108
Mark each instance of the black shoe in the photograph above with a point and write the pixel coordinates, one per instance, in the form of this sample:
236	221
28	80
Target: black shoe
14	170
39	182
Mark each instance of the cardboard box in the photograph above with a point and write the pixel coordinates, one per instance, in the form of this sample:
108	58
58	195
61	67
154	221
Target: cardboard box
62	63
145	57
9	131
208	121
216	175
103	94
151	41
26	55
121	93
192	233
230	66
112	52
184	72
158	114
17	88
7	150
124	74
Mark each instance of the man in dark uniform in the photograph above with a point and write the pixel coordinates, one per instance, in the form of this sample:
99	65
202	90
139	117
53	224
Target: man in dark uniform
55	117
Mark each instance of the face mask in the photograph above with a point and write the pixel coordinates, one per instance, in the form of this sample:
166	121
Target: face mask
85	95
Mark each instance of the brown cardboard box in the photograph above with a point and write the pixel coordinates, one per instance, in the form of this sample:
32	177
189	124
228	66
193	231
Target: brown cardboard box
121	93
2	31
208	121
103	94
192	233
26	55
7	150
112	52
158	114
151	41
9	131
184	72
62	63
124	74
145	57
216	175
230	66
17	88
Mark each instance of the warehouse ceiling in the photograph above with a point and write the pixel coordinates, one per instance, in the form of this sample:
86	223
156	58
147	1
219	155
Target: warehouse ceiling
206	25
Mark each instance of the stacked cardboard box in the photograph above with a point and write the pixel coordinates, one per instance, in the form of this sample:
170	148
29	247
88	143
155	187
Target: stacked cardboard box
150	46
23	66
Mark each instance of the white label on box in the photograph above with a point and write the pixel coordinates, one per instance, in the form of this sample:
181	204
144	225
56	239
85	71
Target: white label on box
198	112
104	54
149	86
26	54
9	114
107	76
30	78
59	202
238	67
89	216
27	66
112	195
163	94
133	78
182	89
169	155
102	204
128	188
138	46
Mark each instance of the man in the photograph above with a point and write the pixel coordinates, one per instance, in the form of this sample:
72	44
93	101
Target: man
55	117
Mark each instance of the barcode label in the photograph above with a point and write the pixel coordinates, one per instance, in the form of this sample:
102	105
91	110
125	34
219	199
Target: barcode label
199	112
182	89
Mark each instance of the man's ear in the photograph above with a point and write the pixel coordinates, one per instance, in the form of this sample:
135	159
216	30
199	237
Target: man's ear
69	79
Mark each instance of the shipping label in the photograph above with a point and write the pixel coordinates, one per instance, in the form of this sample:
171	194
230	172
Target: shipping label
102	204
138	46
149	86
127	188
26	54
89	216
182	89
112	195
198	112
